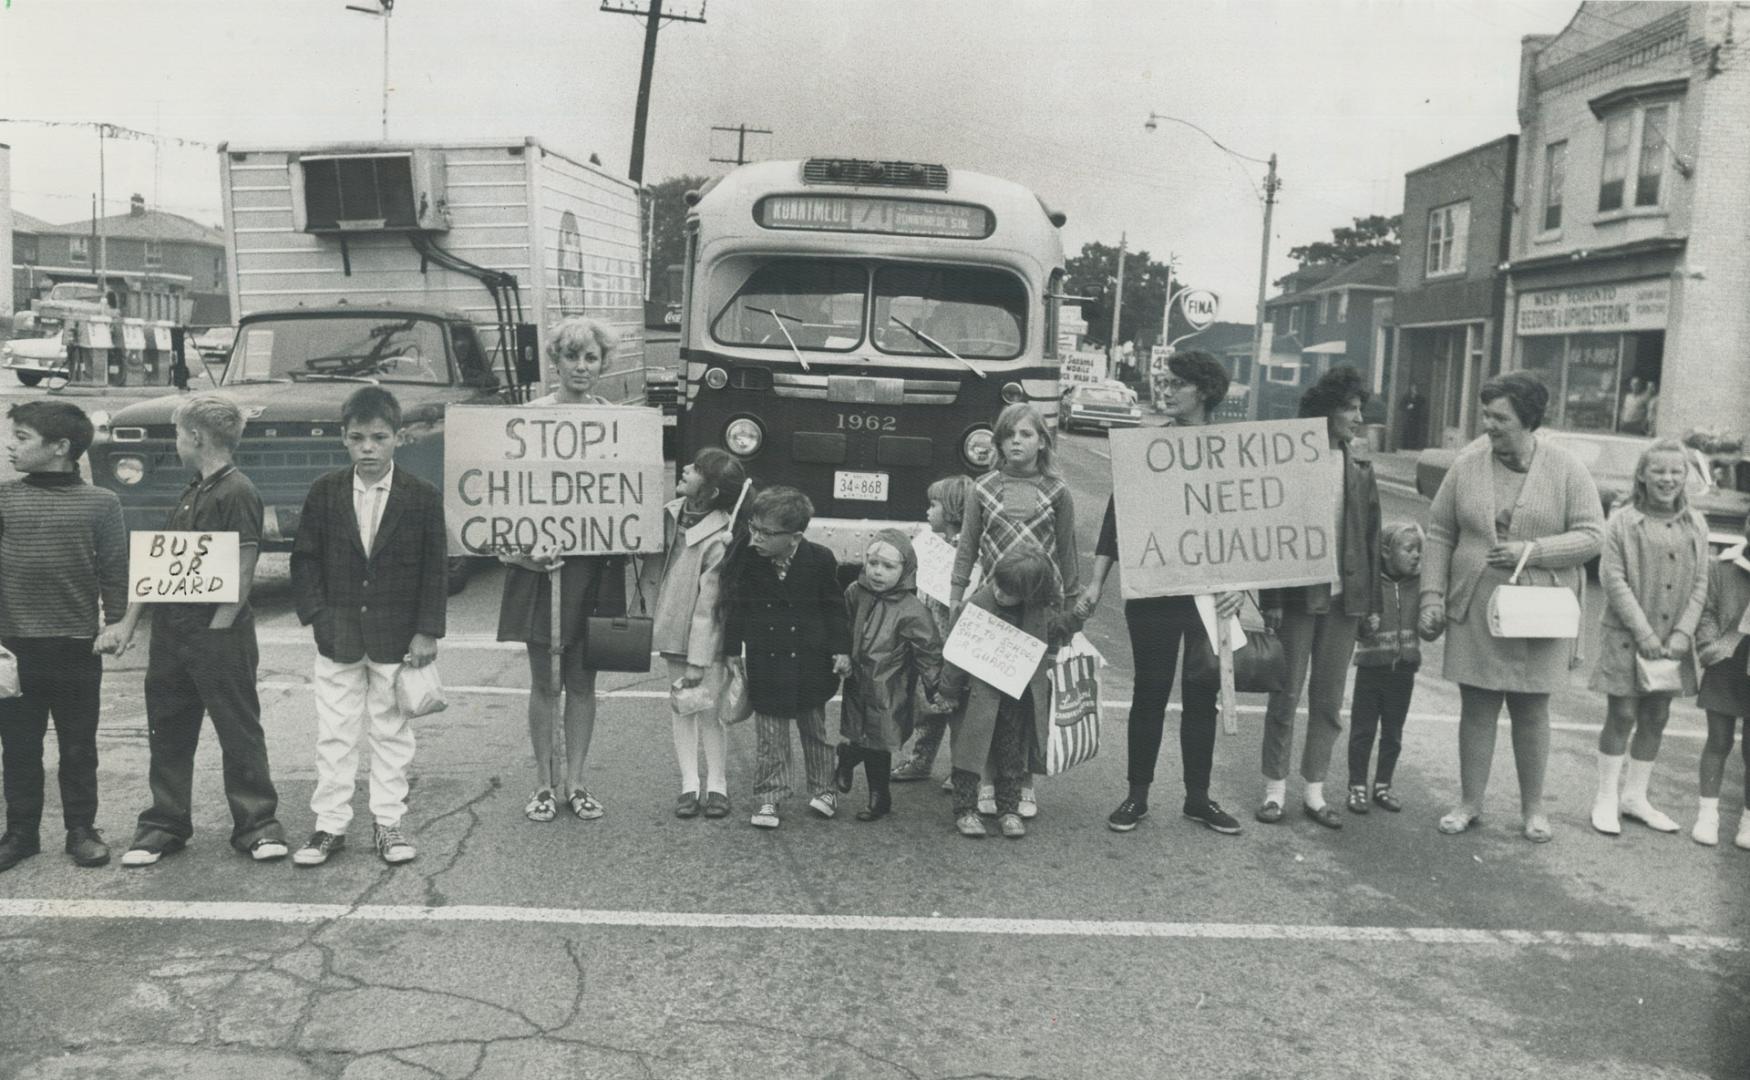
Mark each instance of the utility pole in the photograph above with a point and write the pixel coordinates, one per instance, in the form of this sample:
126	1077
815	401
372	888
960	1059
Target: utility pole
382	11
1117	305
653	19
1271	186
742	131
101	255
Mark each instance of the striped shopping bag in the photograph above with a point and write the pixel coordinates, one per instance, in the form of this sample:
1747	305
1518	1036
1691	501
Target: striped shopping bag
1075	706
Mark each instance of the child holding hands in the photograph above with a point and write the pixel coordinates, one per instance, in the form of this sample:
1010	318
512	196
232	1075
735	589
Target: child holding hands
895	650
946	513
1386	661
1723	649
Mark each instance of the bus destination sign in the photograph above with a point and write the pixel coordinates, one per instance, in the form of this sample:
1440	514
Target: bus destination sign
872	214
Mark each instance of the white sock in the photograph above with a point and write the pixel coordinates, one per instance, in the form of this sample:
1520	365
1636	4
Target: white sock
1315	795
716	740
1276	791
1709	806
686	750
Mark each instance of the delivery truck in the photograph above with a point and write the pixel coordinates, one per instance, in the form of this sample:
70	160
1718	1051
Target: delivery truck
433	270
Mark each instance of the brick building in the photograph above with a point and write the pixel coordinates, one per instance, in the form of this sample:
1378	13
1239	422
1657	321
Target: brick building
157	264
1629	258
1450	296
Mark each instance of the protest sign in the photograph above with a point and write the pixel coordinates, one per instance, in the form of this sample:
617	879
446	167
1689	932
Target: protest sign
569	479
183	567
986	647
1234	506
935	564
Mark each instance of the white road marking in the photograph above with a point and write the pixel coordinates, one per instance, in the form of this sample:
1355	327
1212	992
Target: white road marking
208	911
1109	705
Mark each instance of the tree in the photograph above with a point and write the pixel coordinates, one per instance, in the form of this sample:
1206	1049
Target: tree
1094	273
1370	235
668	208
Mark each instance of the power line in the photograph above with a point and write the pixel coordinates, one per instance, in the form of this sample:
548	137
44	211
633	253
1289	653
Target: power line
742	132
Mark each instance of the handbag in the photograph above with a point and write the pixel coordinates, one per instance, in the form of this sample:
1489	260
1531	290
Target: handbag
1260	666
1533	611
619	642
9	685
687	700
1075	706
418	691
736	705
1661	676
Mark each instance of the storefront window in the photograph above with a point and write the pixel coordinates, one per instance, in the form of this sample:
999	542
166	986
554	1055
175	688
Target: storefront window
1589	401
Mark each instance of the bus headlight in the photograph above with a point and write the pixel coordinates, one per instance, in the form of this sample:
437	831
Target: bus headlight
129	470
1013	392
743	437
716	378
979	448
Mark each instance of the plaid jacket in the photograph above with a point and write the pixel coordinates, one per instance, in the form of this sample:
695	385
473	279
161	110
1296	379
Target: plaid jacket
371	605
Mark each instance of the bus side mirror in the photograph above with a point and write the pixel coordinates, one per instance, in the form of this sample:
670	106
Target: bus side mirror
528	355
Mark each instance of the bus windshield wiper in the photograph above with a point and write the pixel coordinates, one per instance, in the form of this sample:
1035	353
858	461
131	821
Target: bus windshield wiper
937	345
779	317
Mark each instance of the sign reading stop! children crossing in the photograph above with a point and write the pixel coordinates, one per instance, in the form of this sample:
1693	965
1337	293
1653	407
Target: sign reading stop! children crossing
569	479
1227	507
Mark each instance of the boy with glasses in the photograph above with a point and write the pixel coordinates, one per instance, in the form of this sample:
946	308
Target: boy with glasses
781	599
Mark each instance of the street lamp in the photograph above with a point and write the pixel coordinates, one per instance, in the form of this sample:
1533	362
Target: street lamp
1271	186
383	10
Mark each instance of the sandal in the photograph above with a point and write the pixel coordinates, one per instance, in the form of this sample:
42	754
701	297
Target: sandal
584	805
542	806
1357	799
1537	829
1460	820
1383	797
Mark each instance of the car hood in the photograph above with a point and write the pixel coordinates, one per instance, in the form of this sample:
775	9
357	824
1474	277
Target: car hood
280	402
46	348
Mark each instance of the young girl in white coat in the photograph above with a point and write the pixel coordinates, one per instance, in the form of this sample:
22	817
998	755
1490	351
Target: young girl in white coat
697	528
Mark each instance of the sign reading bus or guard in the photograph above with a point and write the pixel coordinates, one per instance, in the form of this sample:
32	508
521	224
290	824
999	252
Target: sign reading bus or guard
183	567
570	479
874	214
1235	506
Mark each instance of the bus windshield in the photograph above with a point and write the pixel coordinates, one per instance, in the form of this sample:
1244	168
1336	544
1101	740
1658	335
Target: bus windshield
818	301
973	311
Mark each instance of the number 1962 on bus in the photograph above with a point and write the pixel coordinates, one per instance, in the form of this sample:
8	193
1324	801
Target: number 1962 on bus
867	422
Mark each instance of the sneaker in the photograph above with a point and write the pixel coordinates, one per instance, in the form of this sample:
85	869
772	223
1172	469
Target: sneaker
267	849
1029	804
716	804
910	769
948	784
971	826
1213	817
766	817
1358	799
987	800
1012	826
318	848
392	844
149	854
584	805
826	804
1124	818
87	847
14	849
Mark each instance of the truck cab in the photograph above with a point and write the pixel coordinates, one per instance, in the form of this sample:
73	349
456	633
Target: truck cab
290	371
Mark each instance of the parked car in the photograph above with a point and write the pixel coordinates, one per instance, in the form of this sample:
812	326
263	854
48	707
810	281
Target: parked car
1098	405
35	359
214	343
1611	460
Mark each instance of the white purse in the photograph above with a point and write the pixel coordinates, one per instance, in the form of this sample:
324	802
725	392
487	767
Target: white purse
1533	611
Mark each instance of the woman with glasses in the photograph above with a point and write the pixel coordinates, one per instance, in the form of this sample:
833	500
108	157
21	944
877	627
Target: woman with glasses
579	350
1195	384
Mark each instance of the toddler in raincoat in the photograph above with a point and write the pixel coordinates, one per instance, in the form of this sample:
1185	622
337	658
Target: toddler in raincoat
896	650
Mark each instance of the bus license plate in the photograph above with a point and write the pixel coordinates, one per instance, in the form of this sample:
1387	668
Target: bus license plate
867	486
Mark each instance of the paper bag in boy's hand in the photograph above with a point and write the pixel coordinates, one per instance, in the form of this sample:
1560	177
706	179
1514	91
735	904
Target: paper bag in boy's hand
418	691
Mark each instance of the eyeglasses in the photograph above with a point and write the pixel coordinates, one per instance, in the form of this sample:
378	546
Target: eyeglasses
769	534
1175	384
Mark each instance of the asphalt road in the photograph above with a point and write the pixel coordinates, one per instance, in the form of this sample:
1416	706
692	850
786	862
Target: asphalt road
641	945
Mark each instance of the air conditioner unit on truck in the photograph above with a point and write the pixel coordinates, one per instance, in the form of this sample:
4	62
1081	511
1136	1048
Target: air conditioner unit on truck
432	270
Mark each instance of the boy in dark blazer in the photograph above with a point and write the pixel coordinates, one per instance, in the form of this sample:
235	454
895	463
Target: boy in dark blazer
785	604
369	568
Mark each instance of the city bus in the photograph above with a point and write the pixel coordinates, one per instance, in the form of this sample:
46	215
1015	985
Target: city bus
852	328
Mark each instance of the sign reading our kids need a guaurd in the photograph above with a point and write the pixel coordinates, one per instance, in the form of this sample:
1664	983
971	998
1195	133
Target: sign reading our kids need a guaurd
1226	507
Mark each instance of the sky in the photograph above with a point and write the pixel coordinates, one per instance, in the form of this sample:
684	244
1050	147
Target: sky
1348	94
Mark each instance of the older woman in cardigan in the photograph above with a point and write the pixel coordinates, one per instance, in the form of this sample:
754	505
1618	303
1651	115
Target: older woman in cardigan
1513	492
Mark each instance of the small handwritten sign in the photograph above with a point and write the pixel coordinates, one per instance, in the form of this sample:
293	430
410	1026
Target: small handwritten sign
571	479
183	567
989	649
935	565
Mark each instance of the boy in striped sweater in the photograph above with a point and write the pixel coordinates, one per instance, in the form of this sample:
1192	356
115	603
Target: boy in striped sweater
63	547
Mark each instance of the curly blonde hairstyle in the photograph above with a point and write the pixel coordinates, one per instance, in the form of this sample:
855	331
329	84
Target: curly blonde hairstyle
578	333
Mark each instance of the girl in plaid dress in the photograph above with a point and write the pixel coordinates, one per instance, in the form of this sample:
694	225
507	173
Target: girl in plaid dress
1021	502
